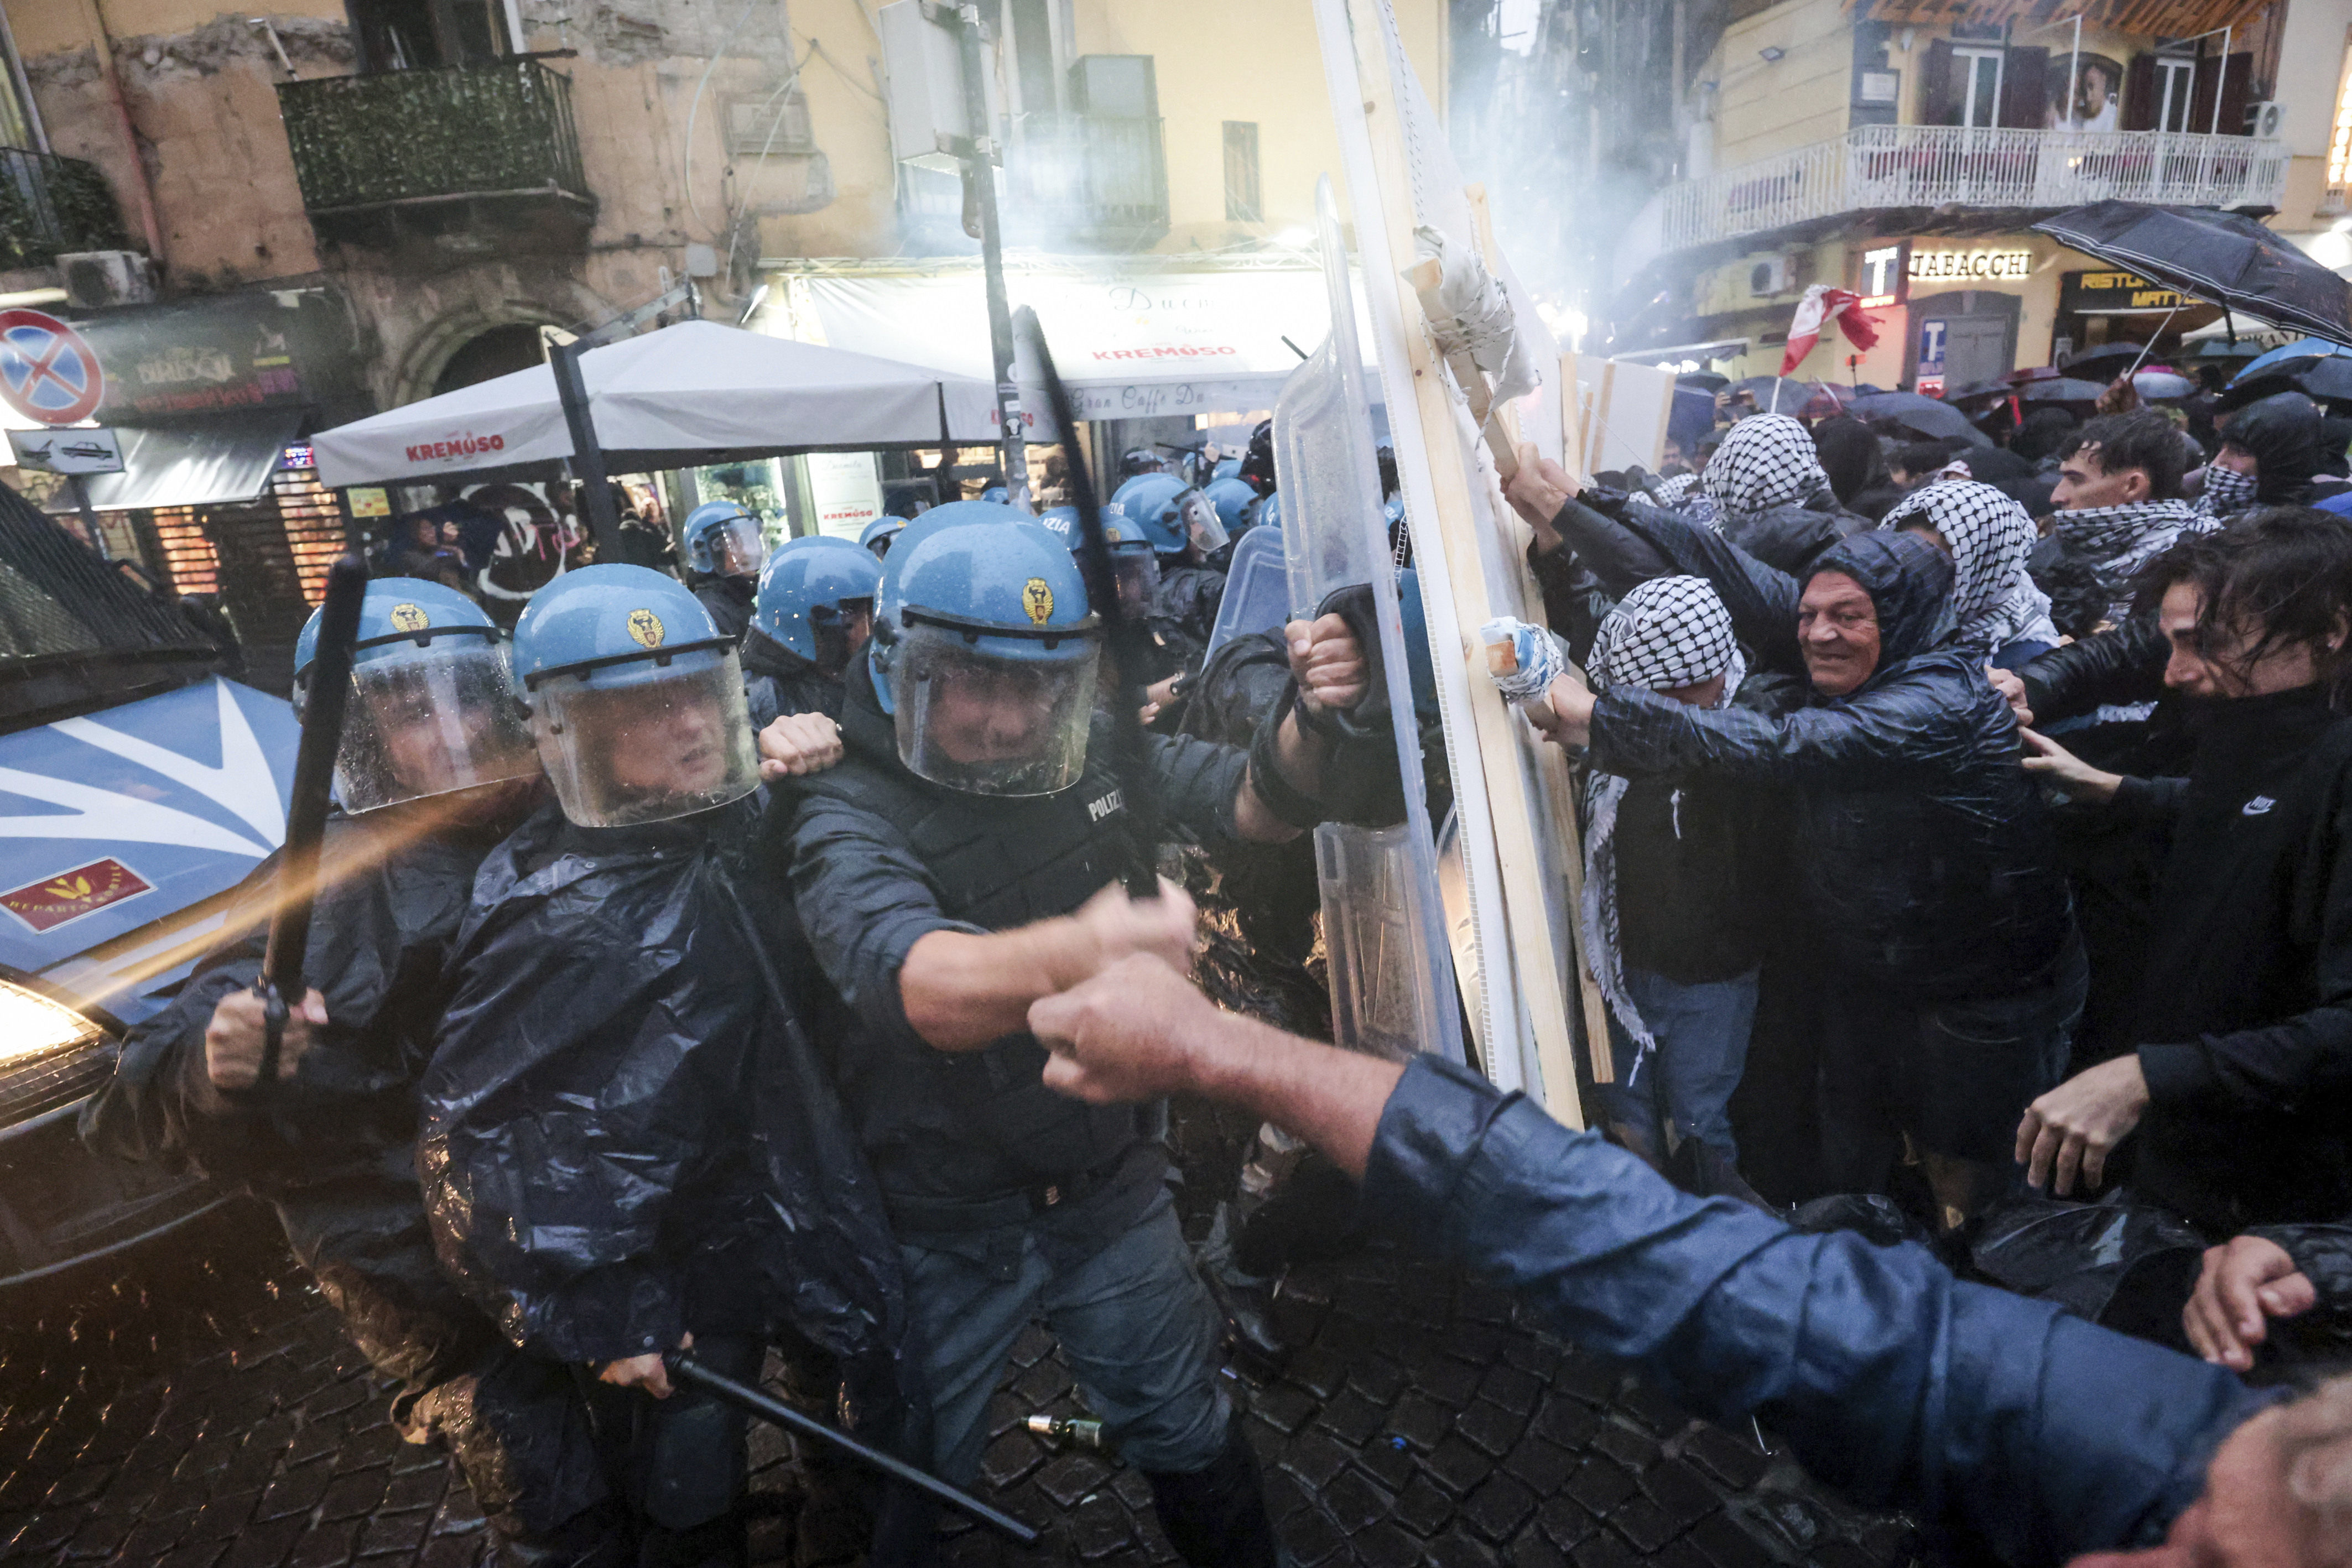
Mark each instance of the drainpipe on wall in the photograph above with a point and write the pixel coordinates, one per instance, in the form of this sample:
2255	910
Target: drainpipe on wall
23	87
142	191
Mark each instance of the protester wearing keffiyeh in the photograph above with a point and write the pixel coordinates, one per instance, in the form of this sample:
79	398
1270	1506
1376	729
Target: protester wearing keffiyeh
1670	632
2117	541
1988	536
1766	461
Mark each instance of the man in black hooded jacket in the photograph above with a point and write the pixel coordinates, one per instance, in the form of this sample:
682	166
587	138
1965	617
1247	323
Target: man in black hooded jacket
2240	1088
1928	859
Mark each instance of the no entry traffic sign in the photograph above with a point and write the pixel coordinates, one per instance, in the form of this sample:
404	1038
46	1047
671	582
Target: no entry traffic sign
47	371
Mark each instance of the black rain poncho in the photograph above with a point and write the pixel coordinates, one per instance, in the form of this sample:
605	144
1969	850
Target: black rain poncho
626	1133
334	1148
1927	857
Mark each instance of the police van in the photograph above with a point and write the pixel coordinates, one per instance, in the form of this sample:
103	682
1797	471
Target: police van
140	783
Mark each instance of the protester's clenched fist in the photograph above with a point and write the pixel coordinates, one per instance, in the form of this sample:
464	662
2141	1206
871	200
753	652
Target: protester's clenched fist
234	1040
1329	663
1537	491
1166	927
2244	1283
1123	1035
798	743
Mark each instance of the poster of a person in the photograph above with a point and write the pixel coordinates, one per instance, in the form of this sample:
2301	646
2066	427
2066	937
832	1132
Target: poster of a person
2097	83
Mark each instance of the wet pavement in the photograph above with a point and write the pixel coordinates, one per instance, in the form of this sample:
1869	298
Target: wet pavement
198	1406
194	1404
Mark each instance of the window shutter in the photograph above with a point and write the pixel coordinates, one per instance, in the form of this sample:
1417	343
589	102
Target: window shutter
2139	105
2025	89
1939	95
2237	80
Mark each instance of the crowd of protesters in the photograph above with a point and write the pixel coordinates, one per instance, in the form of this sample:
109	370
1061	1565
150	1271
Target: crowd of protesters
1968	829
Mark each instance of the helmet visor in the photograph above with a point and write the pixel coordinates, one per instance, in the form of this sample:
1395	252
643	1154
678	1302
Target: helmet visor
1137	573
1204	530
991	723
649	750
840	631
432	723
738	548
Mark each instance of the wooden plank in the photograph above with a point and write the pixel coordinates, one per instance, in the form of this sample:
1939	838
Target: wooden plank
1535	949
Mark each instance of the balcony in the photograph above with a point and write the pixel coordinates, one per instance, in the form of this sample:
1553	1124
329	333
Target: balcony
1923	168
451	155
51	205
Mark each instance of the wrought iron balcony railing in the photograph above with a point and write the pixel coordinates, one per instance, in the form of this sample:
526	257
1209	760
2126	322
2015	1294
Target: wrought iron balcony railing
51	205
1928	166
455	136
1085	178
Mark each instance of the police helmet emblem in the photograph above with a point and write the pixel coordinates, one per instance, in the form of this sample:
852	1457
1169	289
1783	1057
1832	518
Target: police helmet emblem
646	627
1037	598
409	618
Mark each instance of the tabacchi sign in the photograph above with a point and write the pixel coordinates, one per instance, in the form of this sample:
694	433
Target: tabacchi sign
1970	265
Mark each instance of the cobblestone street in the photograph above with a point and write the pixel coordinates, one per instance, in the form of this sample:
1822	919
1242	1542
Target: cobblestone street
198	1406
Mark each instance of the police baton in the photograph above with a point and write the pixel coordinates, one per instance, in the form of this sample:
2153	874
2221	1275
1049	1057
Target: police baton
306	812
688	1373
1130	641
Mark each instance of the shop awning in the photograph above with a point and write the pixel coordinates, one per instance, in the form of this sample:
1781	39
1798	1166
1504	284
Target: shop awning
693	393
1130	345
203	463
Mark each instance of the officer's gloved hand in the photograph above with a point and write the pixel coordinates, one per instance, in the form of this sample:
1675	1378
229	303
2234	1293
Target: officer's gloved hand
798	743
1328	662
233	1040
1118	926
645	1371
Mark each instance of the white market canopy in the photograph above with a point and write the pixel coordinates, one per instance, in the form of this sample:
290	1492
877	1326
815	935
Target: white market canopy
694	393
1128	344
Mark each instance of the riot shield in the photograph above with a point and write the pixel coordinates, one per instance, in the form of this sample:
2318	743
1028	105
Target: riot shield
1379	886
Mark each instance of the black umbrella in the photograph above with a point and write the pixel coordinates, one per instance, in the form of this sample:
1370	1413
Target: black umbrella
2231	260
2060	389
1923	414
2107	362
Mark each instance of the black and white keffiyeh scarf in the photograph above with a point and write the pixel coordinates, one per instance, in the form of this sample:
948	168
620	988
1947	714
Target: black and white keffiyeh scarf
1669	632
1994	603
2117	541
2226	491
1767	460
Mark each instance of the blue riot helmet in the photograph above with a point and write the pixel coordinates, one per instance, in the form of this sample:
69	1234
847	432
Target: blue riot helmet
881	534
636	701
984	654
1232	497
433	706
1269	510
1132	560
817	600
1141	460
1173	514
1228	468
998	494
722	539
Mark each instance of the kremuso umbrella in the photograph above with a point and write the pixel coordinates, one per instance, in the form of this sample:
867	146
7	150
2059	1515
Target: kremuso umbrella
2231	260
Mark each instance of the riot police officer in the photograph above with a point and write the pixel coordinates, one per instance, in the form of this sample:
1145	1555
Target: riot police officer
1185	530
628	1146
725	549
959	865
815	608
881	533
1232	495
434	768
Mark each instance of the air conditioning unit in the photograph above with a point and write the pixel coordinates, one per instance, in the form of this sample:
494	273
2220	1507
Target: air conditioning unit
96	278
2264	120
1770	275
922	61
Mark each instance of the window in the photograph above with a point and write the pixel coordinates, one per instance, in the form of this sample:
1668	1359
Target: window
1242	203
1980	73
2176	86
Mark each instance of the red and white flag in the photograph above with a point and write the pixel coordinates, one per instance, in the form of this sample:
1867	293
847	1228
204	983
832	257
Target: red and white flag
1821	304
